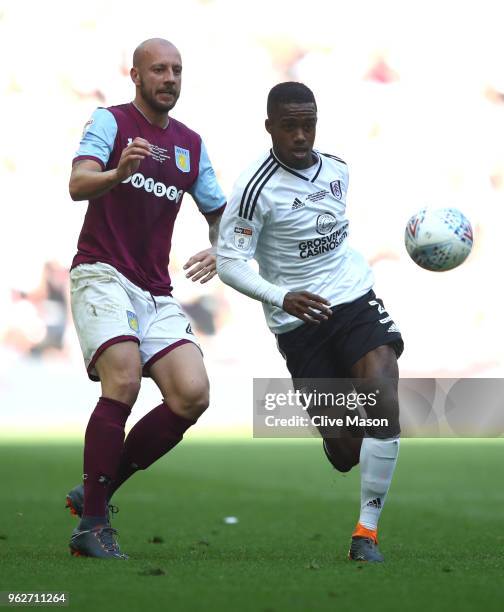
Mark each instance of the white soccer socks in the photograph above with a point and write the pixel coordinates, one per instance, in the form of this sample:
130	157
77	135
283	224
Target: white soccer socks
378	459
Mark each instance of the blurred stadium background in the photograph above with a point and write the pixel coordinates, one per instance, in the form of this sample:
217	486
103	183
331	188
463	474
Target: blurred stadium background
411	94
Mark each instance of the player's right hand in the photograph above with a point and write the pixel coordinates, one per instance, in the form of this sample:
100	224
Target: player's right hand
131	157
308	307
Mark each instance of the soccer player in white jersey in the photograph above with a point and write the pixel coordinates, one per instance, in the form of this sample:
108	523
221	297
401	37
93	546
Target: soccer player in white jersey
288	211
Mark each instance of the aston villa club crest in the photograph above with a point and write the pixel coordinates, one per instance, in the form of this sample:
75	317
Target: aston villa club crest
133	321
336	189
182	159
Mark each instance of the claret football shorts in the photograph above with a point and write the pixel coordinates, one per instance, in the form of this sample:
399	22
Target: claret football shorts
107	308
330	349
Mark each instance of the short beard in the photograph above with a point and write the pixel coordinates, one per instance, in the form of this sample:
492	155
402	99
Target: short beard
153	103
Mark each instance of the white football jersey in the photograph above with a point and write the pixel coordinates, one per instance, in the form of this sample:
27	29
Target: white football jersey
294	223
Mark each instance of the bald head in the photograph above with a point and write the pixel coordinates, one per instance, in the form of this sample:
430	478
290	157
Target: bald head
151	47
157	74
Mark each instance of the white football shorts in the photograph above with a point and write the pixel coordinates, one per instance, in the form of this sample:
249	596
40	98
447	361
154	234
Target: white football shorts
107	308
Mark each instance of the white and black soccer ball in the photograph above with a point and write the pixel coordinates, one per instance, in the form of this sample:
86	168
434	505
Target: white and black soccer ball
438	239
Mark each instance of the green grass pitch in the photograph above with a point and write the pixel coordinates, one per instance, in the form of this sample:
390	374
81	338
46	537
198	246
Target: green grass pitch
441	530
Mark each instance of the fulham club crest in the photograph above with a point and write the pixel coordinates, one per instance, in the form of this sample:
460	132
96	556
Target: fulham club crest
336	189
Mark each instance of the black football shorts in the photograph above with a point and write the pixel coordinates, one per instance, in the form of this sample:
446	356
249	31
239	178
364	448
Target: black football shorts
330	349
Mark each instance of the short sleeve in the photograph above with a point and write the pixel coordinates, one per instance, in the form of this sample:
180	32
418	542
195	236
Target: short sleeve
98	137
206	190
238	235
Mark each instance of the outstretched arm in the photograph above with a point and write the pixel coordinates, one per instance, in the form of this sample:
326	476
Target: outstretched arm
238	239
304	305
211	201
202	265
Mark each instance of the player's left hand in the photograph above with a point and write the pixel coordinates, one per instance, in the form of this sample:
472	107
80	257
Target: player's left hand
202	266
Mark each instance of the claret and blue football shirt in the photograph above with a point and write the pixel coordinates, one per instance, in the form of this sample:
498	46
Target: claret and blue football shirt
131	226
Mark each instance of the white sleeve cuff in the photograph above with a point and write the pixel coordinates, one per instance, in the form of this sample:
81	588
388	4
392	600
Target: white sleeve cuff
238	274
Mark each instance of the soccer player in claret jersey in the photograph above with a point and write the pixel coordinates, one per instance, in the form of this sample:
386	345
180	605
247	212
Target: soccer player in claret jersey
134	165
288	211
